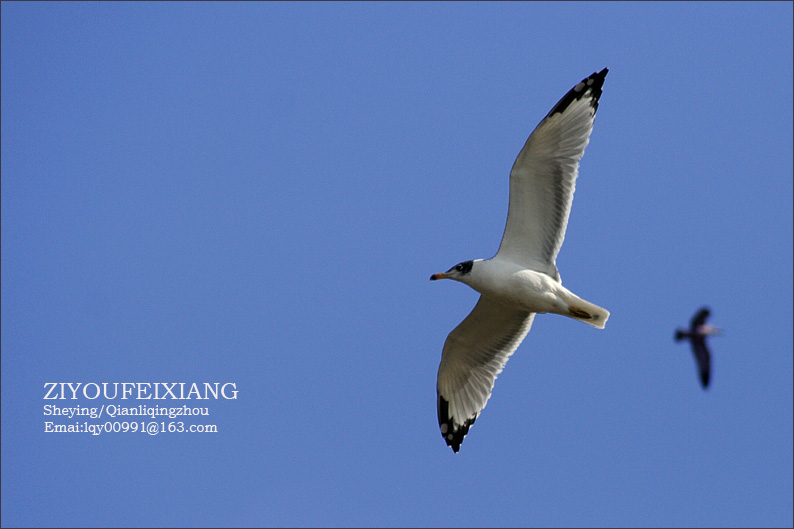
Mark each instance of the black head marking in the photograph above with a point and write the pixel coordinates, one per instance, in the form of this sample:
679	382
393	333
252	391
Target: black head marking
452	436
462	268
589	87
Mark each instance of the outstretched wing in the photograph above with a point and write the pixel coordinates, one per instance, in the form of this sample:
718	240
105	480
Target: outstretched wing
703	359
543	179
475	352
699	318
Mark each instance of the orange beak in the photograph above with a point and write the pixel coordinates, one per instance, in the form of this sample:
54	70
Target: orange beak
438	276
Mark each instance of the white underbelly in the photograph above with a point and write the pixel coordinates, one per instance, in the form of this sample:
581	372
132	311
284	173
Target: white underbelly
531	291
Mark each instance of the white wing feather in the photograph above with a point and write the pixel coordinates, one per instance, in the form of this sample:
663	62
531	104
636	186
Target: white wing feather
543	180
475	352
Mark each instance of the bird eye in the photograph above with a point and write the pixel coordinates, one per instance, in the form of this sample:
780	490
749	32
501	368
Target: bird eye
464	267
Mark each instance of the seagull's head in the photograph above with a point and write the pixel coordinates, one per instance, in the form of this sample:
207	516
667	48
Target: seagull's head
459	272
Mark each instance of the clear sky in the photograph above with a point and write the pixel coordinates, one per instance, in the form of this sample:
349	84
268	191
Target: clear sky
257	194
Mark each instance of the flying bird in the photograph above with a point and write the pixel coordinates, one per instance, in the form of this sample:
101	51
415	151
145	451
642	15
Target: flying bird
522	278
697	333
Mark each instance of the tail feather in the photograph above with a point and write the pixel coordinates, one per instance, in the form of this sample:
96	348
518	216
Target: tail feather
589	313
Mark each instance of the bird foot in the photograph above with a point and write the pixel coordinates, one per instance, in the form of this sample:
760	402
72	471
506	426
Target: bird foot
579	313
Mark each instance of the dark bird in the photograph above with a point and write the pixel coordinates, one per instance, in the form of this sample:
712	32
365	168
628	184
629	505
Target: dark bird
698	330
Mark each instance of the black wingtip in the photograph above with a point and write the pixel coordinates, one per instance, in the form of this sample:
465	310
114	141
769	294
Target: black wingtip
453	434
587	87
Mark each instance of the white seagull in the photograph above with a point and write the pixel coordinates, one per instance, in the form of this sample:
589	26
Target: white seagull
522	278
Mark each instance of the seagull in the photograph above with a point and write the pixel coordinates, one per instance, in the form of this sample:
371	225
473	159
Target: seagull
522	278
698	330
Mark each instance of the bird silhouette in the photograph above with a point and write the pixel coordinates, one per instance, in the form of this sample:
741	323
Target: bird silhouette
696	334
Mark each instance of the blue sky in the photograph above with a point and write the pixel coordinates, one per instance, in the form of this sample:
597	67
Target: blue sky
257	193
